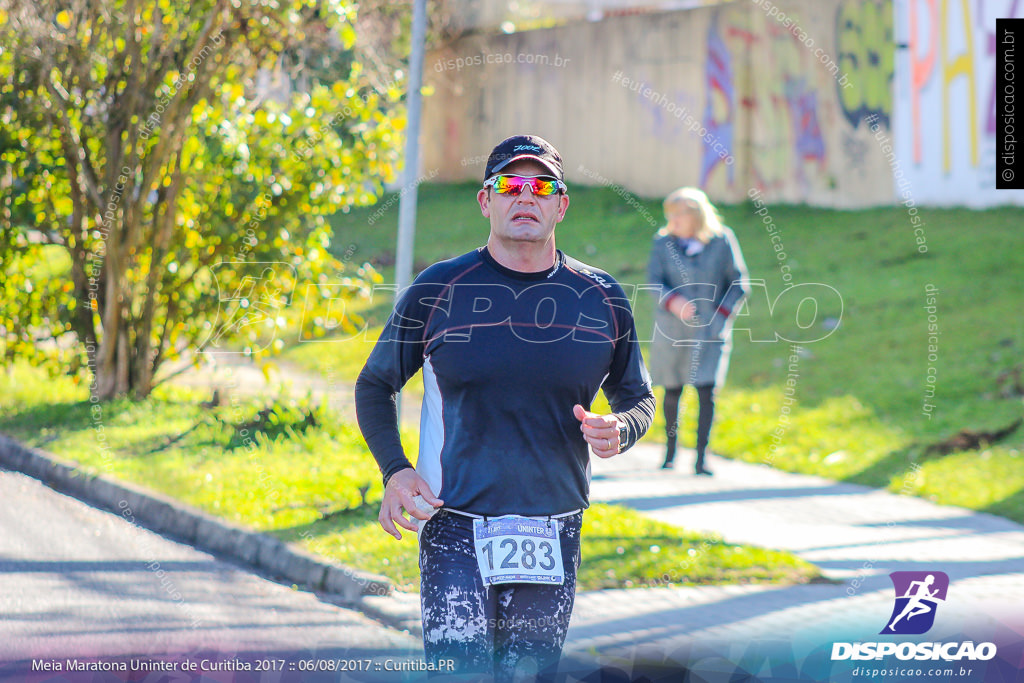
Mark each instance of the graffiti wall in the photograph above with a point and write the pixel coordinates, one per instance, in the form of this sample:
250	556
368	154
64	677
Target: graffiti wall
945	102
802	88
827	102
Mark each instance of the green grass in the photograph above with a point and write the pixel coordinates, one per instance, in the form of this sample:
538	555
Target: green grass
860	389
623	549
303	483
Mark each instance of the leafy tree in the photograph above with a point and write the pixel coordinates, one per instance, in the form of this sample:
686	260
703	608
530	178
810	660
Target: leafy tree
166	167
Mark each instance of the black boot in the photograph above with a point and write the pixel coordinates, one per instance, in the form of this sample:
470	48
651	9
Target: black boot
671	408
670	453
705	415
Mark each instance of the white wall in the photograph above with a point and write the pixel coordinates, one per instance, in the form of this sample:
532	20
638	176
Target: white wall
944	106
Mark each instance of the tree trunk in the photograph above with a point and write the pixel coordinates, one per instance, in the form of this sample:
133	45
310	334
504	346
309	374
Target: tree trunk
114	374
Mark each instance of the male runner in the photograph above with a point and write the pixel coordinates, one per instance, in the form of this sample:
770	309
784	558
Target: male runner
515	339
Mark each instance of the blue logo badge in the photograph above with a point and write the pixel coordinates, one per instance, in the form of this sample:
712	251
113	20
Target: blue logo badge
918	595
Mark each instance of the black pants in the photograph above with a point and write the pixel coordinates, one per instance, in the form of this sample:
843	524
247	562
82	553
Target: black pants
705	415
506	631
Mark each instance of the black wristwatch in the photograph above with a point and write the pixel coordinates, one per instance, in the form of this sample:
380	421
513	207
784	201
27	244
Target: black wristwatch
623	436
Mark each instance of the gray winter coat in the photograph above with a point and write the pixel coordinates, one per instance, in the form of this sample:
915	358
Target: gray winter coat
695	351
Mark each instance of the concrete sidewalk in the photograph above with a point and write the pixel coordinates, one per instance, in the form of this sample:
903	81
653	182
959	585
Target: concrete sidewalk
857	536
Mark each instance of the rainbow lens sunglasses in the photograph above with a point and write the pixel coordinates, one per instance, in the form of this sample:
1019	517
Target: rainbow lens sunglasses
541	186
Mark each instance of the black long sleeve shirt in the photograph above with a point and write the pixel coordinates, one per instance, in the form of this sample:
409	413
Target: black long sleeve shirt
505	356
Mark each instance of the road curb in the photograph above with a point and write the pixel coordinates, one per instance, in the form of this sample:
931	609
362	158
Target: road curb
399	610
174	518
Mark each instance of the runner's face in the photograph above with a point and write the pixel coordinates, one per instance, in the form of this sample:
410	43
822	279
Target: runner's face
525	218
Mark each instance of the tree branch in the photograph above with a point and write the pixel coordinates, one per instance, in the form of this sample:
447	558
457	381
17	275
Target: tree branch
170	318
73	148
144	330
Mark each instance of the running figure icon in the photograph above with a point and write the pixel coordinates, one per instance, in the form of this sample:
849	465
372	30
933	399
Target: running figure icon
915	606
917	595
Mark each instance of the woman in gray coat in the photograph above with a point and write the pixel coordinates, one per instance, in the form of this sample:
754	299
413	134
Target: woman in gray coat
698	265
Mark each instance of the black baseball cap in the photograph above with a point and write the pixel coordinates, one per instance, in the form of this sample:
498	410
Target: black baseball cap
524	147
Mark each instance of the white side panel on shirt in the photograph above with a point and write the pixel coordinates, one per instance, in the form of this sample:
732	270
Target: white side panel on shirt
431	430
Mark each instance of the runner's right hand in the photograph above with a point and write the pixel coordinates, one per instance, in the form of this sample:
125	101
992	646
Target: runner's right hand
403	486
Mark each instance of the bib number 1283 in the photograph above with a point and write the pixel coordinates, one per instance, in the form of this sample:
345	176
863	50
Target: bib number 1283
514	549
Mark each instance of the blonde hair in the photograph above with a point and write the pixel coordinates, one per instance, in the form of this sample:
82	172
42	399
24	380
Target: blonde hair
709	223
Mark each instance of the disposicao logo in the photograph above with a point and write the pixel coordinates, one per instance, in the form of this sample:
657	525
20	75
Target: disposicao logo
918	595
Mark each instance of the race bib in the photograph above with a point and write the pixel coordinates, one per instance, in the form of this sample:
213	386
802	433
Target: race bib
514	549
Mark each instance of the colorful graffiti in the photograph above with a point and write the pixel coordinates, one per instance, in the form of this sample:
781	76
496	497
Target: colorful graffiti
728	96
803	106
930	49
922	67
783	104
988	28
719	111
949	86
667	113
864	42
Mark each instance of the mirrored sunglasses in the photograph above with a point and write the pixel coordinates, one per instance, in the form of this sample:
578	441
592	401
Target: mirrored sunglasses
541	186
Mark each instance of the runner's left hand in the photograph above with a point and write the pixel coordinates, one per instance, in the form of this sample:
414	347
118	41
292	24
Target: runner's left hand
600	431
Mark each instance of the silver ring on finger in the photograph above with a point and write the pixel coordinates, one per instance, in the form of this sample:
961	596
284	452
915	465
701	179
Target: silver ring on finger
608	444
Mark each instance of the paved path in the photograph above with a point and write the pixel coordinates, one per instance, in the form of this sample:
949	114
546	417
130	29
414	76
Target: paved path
77	582
857	535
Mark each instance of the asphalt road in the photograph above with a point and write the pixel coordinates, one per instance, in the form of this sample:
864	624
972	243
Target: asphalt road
78	584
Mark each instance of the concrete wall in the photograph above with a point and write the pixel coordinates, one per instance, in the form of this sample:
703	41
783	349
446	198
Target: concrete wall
621	98
845	103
